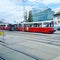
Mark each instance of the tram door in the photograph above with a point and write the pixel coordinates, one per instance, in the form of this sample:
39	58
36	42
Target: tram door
52	24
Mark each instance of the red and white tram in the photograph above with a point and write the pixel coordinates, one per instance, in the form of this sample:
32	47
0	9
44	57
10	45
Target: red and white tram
39	27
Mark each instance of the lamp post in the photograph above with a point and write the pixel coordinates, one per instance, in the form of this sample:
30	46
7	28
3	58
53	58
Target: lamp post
23	14
24	9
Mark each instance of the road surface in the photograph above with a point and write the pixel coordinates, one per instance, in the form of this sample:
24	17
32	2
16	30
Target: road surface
30	46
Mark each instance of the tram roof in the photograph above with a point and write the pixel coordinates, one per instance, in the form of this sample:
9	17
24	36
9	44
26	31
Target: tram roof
36	22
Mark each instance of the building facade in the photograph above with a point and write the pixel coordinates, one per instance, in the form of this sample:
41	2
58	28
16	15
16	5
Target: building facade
57	21
42	14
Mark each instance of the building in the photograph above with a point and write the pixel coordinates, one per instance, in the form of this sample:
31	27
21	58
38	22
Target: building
57	16
57	20
42	14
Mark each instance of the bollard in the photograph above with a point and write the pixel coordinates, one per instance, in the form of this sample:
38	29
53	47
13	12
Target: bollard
2	34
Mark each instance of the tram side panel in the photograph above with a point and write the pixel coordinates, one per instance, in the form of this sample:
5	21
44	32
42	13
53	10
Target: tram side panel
41	30
47	30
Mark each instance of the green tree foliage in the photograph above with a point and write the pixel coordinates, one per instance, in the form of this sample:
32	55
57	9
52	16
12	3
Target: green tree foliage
30	18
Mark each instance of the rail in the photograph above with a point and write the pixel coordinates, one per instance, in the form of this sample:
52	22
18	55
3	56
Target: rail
27	54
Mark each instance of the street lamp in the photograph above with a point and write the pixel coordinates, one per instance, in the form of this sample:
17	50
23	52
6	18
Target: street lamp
23	13
24	9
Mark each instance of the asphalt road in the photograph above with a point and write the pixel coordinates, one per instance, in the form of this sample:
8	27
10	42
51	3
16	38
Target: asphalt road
30	46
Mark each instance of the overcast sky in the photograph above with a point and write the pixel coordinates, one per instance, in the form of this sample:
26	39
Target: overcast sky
12	10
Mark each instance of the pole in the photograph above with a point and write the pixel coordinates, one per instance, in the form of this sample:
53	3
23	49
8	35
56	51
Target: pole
23	14
23	9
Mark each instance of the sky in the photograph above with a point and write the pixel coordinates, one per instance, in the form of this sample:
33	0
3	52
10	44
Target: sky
12	10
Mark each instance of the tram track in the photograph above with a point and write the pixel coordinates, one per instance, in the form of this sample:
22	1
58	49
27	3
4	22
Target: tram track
22	52
27	37
43	39
1	58
48	36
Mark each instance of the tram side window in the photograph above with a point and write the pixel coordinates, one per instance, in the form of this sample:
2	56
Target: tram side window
46	25
26	25
39	25
35	25
32	25
20	25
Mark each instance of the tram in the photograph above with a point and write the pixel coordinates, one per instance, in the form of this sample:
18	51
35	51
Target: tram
7	27
39	27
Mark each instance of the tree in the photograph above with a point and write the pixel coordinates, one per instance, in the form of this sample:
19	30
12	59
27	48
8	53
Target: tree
25	17
30	18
